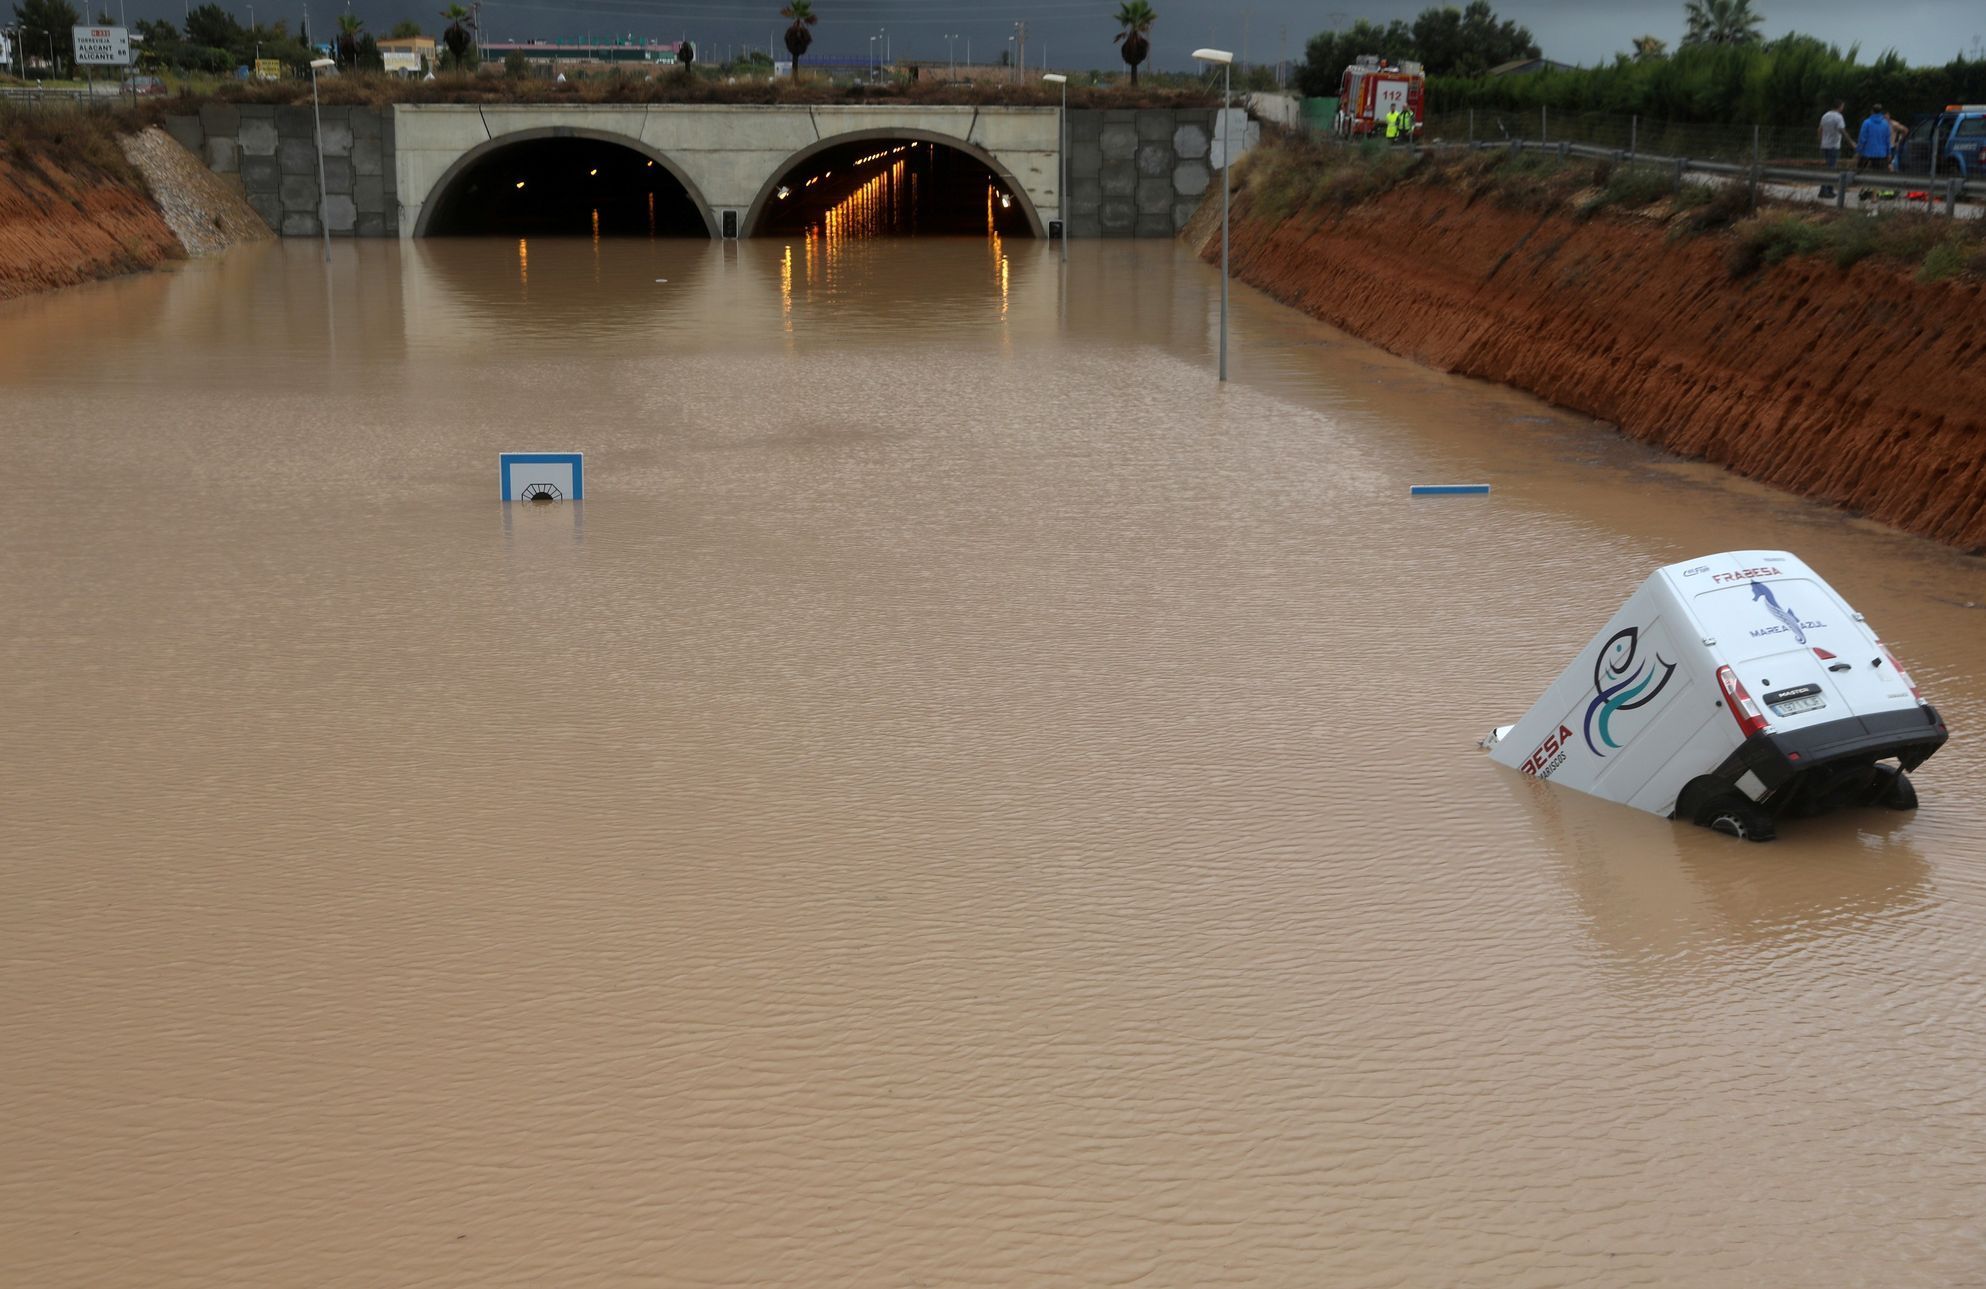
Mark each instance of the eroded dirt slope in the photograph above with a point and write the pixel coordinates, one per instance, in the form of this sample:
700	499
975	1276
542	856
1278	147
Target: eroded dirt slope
1860	386
62	223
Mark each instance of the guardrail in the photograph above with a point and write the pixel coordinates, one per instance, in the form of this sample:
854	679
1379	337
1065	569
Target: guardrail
1948	189
38	97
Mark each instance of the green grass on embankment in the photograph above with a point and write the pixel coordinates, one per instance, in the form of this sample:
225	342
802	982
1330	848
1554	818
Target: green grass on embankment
78	141
1314	179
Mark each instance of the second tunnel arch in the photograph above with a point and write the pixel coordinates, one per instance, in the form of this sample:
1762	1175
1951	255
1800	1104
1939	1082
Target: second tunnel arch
755	213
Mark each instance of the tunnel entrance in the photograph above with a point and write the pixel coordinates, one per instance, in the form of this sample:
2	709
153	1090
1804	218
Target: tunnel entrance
565	187
892	188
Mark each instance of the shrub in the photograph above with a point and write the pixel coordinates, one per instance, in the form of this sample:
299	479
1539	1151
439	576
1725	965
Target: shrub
1628	187
1726	205
1771	240
1854	241
1947	259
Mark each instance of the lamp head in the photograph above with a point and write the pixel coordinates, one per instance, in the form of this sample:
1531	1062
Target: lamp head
1055	78
1221	56
319	64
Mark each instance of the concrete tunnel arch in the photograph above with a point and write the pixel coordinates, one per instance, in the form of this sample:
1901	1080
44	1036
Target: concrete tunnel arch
468	161
906	134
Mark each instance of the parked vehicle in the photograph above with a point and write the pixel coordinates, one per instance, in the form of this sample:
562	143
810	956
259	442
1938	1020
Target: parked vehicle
1371	88
1657	712
1960	133
144	85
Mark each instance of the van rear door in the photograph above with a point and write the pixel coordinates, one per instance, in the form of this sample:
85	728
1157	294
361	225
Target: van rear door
1799	650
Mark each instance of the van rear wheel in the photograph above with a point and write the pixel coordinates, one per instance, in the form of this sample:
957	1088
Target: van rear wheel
1896	791
1735	817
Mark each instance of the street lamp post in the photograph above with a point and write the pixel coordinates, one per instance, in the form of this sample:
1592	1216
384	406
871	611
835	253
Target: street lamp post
1062	150
1226	61
323	201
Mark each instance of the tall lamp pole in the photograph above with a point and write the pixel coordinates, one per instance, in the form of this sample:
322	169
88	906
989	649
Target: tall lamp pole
1226	61
1062	149
323	203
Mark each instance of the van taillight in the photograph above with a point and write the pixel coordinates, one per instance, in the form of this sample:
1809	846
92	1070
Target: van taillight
1743	710
1901	674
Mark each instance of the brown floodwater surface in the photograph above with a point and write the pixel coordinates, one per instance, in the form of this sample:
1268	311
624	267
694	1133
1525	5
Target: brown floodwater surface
966	800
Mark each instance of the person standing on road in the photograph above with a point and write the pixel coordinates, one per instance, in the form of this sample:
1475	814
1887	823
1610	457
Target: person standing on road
1392	125
1872	141
1898	132
1833	128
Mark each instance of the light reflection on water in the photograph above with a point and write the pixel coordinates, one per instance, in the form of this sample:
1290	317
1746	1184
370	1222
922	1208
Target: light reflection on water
965	799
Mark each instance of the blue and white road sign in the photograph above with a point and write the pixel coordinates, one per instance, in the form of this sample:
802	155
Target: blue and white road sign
542	476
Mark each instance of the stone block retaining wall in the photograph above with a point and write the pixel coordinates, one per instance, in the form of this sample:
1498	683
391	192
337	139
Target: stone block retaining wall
1142	172
273	152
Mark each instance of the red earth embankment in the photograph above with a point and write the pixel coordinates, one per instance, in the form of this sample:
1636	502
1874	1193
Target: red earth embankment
65	218
1862	386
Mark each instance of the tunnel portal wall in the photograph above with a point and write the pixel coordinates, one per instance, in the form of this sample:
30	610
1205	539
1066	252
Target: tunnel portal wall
1133	172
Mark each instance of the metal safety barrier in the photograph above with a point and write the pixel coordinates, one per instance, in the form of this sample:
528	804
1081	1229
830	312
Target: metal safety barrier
1948	190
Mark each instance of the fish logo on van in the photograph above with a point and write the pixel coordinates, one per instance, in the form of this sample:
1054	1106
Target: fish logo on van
1792	620
1622	681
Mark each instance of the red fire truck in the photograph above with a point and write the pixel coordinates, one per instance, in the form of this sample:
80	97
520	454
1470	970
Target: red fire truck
1371	88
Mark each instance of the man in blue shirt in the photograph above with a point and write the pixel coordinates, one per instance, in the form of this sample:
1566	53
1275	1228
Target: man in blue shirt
1872	141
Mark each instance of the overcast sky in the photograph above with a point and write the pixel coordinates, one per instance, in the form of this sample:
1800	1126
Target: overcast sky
1077	32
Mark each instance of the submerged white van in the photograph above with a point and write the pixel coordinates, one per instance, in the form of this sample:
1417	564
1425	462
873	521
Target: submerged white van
1731	691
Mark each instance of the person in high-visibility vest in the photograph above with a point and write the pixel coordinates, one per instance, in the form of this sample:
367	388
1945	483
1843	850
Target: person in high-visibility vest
1406	124
1392	125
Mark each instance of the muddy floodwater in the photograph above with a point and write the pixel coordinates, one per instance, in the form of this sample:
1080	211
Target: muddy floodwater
965	800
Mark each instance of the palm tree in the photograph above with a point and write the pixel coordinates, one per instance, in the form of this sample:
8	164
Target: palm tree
1136	18
798	38
1649	47
349	27
1721	22
456	36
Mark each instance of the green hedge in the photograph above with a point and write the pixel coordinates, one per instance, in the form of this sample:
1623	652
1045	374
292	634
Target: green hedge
1788	82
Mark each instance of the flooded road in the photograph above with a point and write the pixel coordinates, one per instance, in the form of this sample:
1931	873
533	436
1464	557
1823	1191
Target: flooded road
965	801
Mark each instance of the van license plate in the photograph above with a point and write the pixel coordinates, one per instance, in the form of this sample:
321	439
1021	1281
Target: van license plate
1793	707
